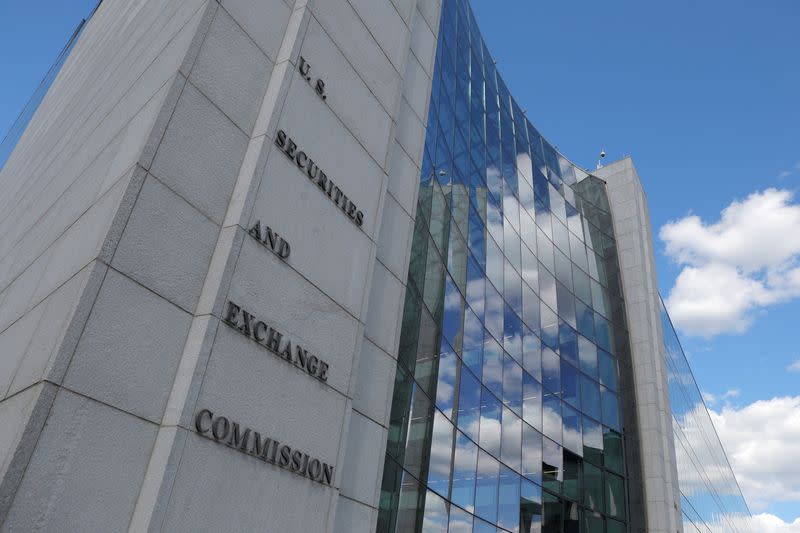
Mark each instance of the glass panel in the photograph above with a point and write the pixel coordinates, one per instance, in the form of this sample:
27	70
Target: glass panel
573	467
509	499
590	397
615	496
469	404
592	487
472	354
531	401
552	465
570	391
551	416
490	423
435	519
531	453
532	355
587	352
608	370
530	507
440	458
460	521
571	517
551	370
446	386
610	408
510	452
464	468
512	384
486	487
551	514
408	510
493	366
573	438
592	441
612	444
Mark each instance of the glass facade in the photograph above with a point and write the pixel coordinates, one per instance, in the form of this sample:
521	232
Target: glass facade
506	408
710	496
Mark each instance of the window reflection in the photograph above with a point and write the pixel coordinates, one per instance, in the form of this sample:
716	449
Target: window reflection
505	414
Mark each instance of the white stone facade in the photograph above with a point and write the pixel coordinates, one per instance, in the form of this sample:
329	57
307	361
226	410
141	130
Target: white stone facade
124	234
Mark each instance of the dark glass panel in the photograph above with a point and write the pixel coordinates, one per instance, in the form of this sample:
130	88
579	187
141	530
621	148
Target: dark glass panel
592	522
592	487
615	496
530	507
552	465
573	467
552	514
571	517
612	444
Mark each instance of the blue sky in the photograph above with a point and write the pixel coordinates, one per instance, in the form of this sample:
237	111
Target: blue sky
704	96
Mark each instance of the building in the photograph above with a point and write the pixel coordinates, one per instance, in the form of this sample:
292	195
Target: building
306	266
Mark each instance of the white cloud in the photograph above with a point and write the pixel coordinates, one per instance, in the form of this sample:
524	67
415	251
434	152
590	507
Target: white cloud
714	398
746	261
784	174
794	367
763	443
767	523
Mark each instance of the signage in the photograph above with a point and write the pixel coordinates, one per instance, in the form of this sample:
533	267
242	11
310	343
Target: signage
318	176
319	86
274	341
225	431
271	240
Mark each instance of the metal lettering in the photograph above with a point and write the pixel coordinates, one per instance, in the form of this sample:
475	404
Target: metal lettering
327	474
238	440
274	340
215	428
244	439
198	421
232	316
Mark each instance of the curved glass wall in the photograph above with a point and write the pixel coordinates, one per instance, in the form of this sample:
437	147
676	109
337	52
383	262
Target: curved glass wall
710	497
506	408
